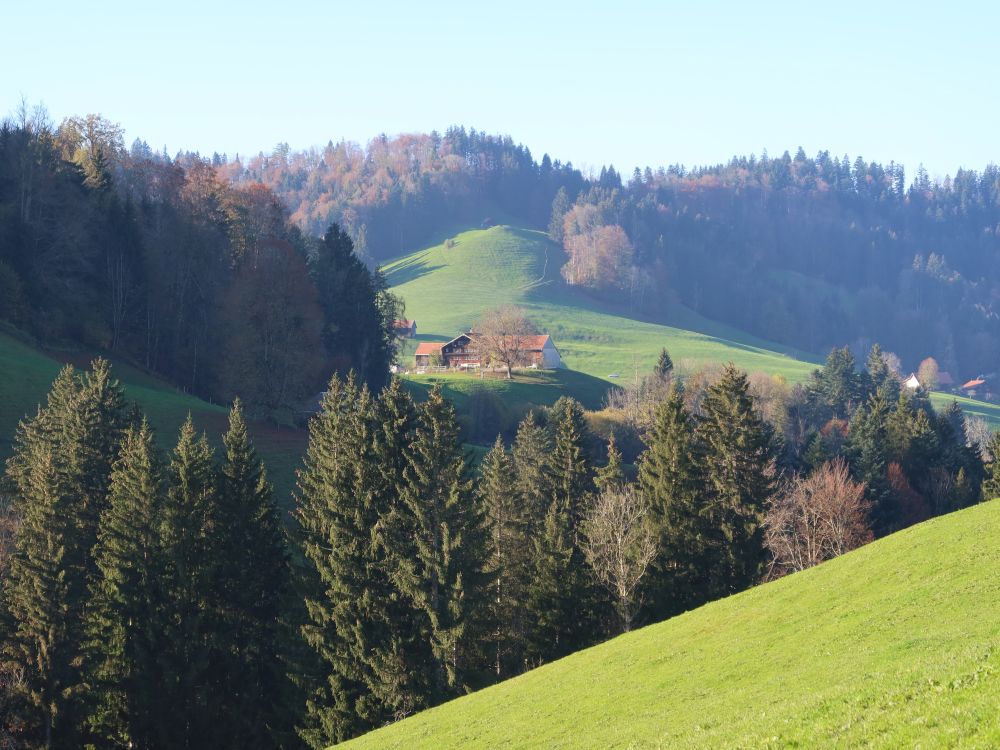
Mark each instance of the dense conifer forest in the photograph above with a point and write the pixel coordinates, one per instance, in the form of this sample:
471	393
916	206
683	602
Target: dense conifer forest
156	600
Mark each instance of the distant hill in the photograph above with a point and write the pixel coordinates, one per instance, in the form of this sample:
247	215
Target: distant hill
896	644
447	286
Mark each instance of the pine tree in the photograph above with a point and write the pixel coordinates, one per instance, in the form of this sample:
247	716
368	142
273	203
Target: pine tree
441	570
38	596
508	561
880	377
569	461
867	444
336	539
532	472
123	619
564	602
664	365
670	481
396	647
76	434
738	465
610	476
251	578
188	535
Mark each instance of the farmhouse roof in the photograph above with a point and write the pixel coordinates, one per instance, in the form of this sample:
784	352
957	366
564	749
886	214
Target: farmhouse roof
430	347
532	343
912	381
974	383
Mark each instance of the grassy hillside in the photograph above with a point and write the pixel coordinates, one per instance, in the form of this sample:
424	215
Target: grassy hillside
447	288
894	645
26	374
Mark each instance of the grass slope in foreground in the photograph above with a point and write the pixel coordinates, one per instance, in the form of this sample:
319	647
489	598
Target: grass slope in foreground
26	375
894	645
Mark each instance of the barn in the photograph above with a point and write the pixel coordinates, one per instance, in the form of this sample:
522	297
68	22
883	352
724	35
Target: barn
462	353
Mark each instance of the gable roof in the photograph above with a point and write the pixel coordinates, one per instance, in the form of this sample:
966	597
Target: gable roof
974	383
430	347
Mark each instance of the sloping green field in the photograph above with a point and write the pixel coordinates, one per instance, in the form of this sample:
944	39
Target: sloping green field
894	645
26	374
447	288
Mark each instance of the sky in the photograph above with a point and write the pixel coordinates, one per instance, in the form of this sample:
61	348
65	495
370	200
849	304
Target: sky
616	82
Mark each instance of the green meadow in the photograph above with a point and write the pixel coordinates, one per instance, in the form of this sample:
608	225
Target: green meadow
26	374
448	286
896	644
446	289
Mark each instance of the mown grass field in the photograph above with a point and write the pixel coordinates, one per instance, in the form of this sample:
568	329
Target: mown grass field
447	288
894	645
26	374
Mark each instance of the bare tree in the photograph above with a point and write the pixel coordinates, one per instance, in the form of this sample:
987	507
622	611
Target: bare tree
816	518
978	435
619	546
501	336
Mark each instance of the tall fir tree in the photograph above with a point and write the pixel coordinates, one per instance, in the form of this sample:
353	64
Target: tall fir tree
670	480
335	531
395	647
868	441
250	580
565	604
124	616
76	436
738	456
190	568
611	476
441	570
664	365
508	561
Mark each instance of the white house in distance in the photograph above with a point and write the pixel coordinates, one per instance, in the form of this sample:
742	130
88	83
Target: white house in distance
911	382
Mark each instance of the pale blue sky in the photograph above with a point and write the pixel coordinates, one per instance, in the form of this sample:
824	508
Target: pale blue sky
628	83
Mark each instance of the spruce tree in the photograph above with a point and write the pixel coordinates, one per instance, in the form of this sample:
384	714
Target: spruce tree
123	619
335	531
250	580
532	486
395	646
737	455
868	440
664	365
38	597
441	569
670	480
565	604
76	435
508	560
188	535
610	476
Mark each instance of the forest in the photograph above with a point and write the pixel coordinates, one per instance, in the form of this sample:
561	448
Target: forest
155	600
810	251
163	263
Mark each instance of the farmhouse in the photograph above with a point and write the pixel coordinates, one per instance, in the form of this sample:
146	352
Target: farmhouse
462	353
405	329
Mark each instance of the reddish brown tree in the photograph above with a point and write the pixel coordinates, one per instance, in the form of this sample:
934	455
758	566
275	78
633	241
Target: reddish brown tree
817	518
